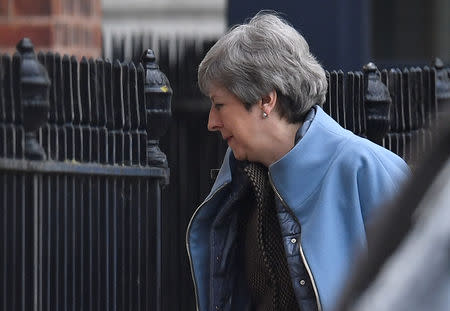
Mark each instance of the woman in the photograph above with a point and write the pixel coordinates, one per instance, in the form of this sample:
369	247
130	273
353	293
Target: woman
295	189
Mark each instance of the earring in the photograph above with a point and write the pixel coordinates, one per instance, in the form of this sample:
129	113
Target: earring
265	115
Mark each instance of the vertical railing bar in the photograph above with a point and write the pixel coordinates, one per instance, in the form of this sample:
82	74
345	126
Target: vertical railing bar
5	236
73	243
91	246
22	228
107	267
85	93
98	246
16	63
391	81
140	76
108	108
14	247
407	97
58	218
363	108
327	104
82	273
127	127
86	243
85	100
334	96
350	110
75	81
78	111
128	198
434	103
426	95
341	98
158	234
358	104
58	80
50	66
399	91
134	201
134	117
114	246
139	244
40	207
101	92
119	120
8	88
2	89
2	140
151	300
133	242
122	199
65	239
384	78
417	99
134	110
69	107
48	184
127	246
126	110
123	250
93	92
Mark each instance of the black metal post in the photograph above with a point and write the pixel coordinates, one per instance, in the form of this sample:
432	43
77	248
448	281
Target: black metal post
34	91
442	85
377	102
158	96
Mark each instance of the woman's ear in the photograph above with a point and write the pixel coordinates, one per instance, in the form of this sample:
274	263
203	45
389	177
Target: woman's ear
268	102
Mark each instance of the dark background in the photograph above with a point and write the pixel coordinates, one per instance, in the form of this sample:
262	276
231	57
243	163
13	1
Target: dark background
346	34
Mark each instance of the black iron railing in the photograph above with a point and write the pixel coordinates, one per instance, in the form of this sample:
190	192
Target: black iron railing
81	175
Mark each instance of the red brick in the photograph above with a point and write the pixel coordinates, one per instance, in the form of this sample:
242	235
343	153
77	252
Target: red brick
80	32
32	8
68	6
96	35
86	7
4	7
12	34
56	7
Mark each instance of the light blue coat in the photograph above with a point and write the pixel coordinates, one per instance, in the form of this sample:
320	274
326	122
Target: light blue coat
331	180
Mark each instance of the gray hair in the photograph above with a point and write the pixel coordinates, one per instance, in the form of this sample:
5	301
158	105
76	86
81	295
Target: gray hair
266	54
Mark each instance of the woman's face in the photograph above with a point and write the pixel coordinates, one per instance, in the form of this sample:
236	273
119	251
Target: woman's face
237	125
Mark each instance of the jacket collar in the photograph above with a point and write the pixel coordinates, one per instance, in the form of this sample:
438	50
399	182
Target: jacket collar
311	157
224	175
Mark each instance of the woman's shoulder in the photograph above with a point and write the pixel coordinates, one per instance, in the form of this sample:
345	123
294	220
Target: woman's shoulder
359	151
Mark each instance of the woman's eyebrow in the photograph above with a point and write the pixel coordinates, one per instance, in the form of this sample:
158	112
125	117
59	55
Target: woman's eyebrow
215	98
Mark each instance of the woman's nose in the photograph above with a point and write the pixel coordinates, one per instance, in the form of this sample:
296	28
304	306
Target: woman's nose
214	122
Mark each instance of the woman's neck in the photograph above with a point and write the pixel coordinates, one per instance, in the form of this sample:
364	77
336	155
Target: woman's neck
278	140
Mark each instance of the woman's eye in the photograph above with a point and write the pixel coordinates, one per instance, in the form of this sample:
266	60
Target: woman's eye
218	106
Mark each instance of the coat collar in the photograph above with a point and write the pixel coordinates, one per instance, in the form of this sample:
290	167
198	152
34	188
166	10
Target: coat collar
311	157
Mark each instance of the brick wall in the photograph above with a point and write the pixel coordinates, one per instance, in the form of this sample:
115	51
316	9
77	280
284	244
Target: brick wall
66	26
